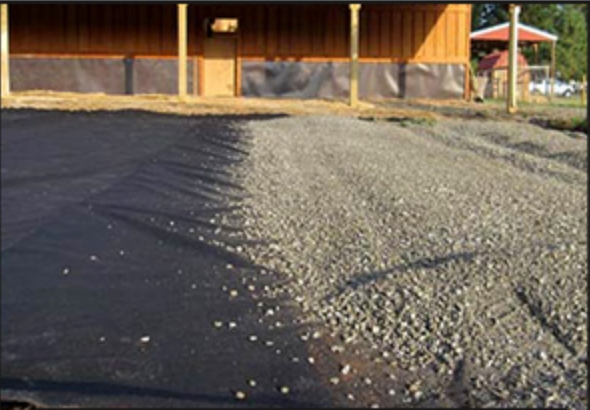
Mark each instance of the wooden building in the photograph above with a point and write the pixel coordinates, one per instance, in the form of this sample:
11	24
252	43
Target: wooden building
494	69
269	50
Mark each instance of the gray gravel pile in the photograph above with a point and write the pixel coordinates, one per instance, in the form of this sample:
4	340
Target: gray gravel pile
510	140
454	250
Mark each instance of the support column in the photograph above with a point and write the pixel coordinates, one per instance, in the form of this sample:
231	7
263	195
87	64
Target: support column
583	91
182	50
511	101
354	53
552	78
5	60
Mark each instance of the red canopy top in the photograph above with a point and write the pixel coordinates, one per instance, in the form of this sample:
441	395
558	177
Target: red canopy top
501	33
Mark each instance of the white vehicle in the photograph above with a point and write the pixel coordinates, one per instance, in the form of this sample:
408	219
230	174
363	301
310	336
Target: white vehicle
559	88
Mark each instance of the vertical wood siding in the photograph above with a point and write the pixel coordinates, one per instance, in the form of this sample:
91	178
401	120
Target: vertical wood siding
389	32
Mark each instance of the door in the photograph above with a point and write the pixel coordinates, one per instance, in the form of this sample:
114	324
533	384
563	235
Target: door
219	66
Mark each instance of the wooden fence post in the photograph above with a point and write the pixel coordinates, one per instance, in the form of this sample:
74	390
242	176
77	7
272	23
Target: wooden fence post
354	53
553	72
583	92
5	53
513	59
182	50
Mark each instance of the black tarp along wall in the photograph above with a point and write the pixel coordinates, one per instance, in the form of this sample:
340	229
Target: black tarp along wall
100	75
331	80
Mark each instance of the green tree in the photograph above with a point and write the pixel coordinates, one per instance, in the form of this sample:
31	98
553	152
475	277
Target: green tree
572	46
487	15
541	16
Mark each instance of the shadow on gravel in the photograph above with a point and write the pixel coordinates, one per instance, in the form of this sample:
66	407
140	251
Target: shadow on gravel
536	312
574	159
360	280
467	113
424	263
529	148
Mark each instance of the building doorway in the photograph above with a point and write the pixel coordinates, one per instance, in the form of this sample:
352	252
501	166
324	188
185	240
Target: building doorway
219	57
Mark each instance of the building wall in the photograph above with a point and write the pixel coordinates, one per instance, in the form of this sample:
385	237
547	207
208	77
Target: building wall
93	29
409	33
428	42
435	33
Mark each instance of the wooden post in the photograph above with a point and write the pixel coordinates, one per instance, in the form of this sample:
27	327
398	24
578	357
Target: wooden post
182	51
547	72
583	91
354	54
195	90
552	79
474	85
5	55
513	59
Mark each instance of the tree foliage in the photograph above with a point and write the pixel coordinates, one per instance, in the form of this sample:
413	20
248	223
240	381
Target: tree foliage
568	21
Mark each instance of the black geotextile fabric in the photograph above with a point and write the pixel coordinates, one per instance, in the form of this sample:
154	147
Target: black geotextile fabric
110	282
331	80
98	75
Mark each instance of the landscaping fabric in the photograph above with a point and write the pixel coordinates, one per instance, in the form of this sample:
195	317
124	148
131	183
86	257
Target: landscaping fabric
120	282
332	80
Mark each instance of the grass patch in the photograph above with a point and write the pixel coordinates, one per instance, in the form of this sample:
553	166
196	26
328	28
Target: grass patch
557	102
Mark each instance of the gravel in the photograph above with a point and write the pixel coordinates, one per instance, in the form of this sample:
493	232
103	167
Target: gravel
457	248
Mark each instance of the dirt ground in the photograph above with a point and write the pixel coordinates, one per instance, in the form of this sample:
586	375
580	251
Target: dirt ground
418	108
190	106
